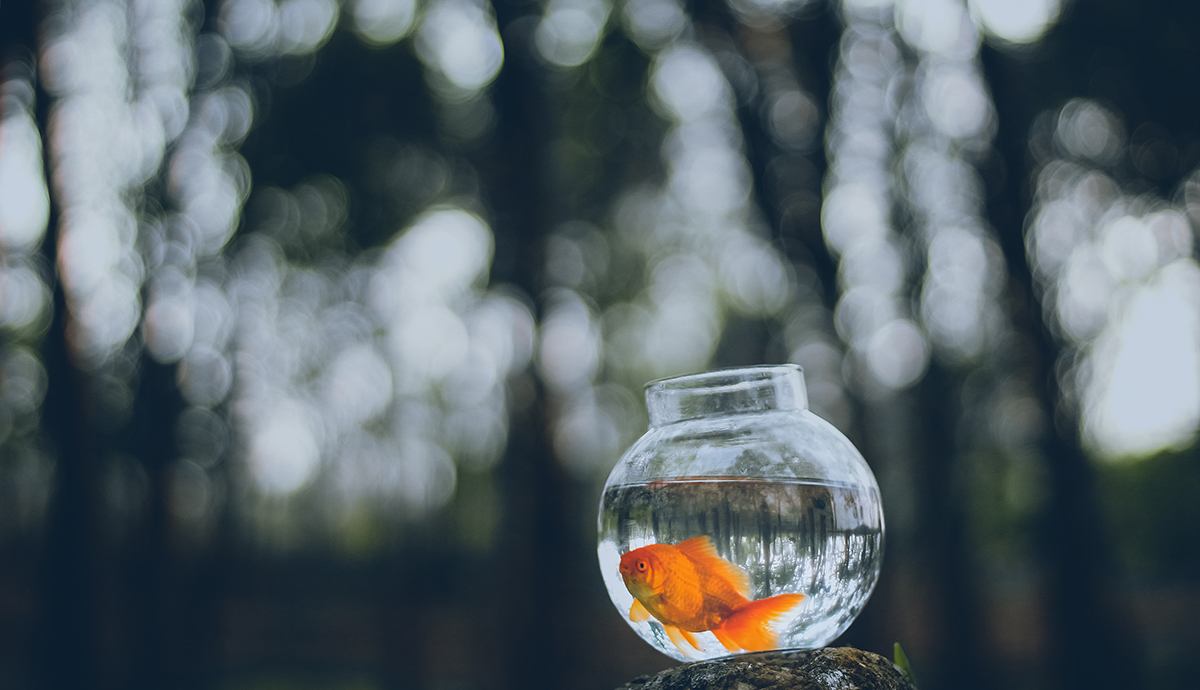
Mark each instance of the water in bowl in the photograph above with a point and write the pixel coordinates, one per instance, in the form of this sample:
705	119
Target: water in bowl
819	539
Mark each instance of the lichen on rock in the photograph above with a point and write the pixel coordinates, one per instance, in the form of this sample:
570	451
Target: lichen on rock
831	668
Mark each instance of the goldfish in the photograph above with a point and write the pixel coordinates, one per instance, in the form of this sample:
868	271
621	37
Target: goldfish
691	589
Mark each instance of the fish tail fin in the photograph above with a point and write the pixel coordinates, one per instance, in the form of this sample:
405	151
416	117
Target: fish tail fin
749	627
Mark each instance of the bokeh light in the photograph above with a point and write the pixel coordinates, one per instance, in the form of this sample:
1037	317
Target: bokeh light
688	84
266	28
406	380
1087	130
26	468
418	348
945	121
766	12
107	145
1120	288
1146	368
1016	21
459	43
695	260
856	217
570	30
408	273
653	23
937	26
24	203
383	22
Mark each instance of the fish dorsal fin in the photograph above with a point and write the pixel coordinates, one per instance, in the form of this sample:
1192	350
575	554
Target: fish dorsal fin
701	549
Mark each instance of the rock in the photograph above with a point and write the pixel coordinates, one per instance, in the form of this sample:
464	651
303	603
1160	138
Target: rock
836	668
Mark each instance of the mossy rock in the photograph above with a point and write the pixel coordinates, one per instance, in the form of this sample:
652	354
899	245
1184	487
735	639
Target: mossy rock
836	668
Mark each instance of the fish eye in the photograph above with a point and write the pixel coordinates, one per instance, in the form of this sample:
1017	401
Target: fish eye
641	566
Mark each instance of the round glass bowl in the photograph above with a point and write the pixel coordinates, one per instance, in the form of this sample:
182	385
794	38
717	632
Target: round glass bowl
740	521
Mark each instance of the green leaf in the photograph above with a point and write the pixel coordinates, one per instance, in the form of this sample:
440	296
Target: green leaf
901	660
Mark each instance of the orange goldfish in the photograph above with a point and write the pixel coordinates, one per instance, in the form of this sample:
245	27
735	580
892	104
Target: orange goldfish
690	589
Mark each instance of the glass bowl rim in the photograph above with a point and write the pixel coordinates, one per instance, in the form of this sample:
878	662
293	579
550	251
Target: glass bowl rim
754	372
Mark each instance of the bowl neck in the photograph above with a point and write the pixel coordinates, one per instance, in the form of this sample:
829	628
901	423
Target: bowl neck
726	392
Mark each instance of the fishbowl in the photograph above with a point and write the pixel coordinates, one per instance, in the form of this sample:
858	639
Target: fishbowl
741	521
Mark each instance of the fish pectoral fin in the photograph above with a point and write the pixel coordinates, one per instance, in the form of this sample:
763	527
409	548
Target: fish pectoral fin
750	627
638	612
684	640
701	550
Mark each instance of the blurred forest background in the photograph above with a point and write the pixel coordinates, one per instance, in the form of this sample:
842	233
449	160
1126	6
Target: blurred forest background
322	323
